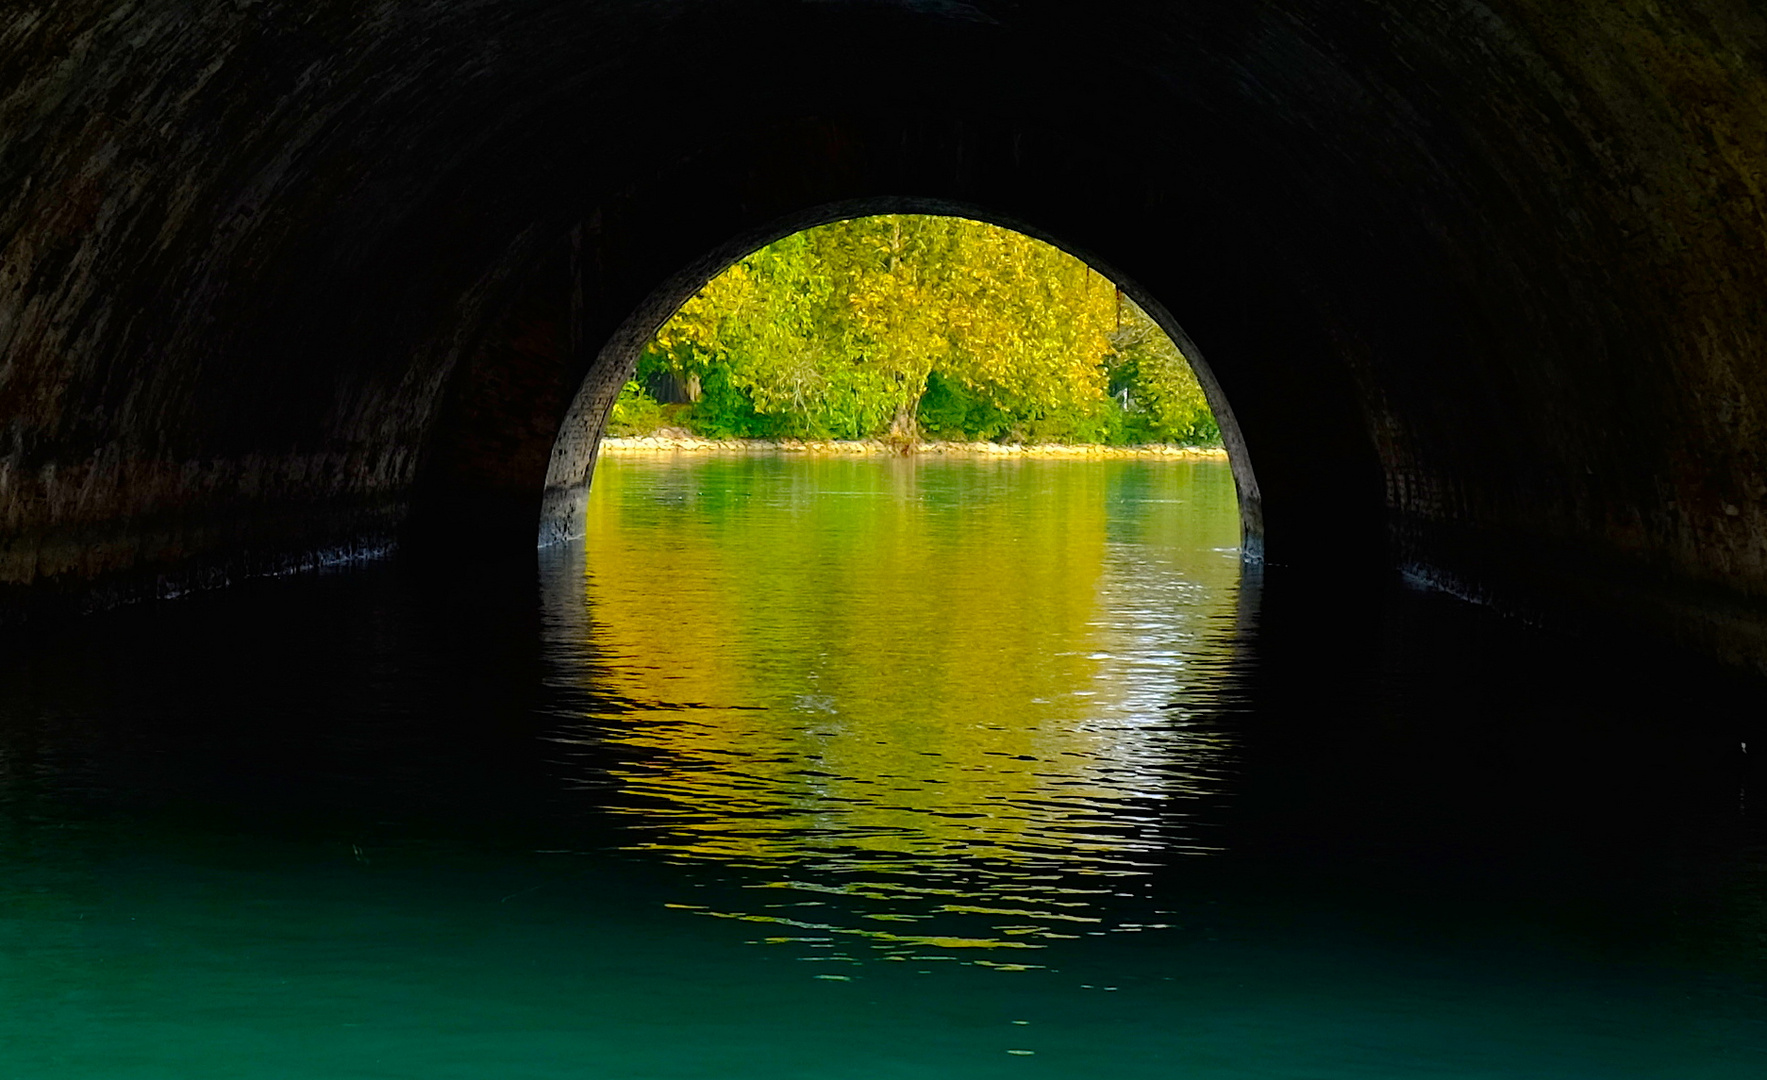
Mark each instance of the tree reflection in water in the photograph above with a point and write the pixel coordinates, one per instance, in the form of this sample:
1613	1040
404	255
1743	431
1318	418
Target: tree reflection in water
922	702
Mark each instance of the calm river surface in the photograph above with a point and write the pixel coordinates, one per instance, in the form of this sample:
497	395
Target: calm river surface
871	769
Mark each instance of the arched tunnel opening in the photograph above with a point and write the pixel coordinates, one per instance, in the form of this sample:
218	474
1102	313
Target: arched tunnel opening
1472	286
999	370
941	506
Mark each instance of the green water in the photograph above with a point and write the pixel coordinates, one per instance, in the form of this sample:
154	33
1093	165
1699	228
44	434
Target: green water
867	768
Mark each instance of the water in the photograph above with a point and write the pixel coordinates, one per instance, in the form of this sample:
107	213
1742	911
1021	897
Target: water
843	768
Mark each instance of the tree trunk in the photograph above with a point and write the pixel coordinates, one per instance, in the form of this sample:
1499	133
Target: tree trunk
905	425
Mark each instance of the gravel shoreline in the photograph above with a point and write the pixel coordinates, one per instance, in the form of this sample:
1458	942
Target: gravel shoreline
672	443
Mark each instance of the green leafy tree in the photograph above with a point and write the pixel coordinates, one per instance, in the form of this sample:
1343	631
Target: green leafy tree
1154	384
903	324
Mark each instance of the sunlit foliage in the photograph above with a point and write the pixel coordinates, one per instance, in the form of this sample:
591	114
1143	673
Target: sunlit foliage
911	326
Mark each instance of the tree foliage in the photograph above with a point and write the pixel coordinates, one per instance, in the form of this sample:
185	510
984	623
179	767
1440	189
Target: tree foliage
908	326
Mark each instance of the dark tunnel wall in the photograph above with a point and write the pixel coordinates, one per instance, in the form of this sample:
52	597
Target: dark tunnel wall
286	282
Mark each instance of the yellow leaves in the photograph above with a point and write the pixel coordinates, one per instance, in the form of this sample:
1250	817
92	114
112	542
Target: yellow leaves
1033	324
844	322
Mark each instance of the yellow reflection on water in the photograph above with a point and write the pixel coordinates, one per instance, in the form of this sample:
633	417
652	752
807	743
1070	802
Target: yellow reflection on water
927	669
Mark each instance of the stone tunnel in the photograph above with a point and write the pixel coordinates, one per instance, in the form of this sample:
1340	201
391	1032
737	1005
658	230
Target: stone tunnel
1476	285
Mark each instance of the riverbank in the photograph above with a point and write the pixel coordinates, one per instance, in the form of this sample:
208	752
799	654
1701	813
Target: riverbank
671	443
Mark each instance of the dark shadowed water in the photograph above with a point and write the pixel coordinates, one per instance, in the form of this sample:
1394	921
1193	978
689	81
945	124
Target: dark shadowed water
872	769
